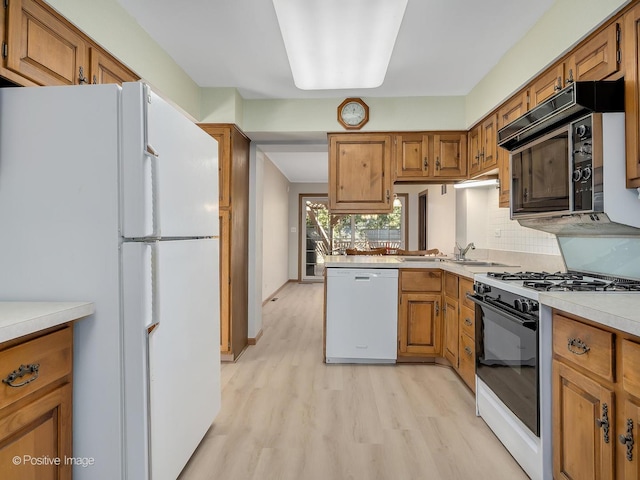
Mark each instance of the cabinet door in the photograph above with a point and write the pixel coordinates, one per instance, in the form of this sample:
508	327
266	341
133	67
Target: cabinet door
359	173
40	429
419	324
450	151
583	426
105	69
475	160
412	156
511	110
451	330
546	85
598	58
467	360
489	143
42	48
631	50
225	264
628	439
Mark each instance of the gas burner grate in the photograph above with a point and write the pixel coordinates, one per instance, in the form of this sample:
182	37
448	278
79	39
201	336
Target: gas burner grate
623	286
534	276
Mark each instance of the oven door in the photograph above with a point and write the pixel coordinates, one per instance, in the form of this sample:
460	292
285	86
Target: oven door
540	182
507	358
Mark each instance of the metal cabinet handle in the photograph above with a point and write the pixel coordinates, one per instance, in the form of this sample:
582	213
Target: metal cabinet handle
468	351
628	439
81	78
426	163
32	368
577	346
388	196
468	322
95	80
570	79
558	85
437	163
437	308
604	422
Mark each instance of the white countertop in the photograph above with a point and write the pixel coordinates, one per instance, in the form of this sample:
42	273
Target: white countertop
392	261
615	309
23	318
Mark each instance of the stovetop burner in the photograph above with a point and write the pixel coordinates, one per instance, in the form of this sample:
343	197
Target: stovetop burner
542	276
566	282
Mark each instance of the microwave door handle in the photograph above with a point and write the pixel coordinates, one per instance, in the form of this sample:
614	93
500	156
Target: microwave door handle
509	316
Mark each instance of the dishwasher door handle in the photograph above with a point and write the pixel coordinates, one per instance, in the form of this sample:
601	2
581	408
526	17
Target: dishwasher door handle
364	278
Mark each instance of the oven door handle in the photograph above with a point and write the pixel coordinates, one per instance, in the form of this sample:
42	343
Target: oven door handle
509	316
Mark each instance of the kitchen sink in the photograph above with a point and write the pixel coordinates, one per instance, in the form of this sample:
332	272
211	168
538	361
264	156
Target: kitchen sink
478	263
420	259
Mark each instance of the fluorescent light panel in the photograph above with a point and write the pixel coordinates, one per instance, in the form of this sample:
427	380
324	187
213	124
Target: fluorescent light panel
339	44
478	183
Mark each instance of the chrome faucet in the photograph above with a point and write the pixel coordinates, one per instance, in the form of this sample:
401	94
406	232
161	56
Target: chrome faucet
463	251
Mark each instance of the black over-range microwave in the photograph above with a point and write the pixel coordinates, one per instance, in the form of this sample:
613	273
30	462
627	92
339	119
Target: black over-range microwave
558	148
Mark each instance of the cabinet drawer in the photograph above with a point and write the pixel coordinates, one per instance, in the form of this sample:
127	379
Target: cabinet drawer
631	367
467	361
583	345
52	353
467	321
421	281
466	286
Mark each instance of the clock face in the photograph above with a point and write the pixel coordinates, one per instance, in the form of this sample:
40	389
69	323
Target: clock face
352	113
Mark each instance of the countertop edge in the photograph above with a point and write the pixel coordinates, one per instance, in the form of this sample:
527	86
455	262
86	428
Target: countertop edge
18	319
615	310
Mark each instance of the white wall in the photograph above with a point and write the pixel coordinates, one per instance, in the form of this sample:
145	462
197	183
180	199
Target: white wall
275	238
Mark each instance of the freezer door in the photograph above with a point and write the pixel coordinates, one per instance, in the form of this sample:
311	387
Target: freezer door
169	170
172	328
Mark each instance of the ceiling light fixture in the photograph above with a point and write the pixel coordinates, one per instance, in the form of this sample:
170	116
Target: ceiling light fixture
338	44
493	182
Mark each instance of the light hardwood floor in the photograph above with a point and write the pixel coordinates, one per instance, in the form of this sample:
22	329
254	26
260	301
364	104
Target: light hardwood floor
287	416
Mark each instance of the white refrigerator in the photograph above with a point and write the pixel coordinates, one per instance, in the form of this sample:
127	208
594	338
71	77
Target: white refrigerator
110	195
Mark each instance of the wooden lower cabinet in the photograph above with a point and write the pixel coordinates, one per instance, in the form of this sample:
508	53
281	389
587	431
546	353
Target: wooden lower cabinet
35	414
596	401
419	313
451	337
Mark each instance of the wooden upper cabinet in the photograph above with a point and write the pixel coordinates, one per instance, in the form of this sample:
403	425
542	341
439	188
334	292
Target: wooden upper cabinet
546	85
412	156
450	153
631	51
360	173
475	141
598	58
105	69
42	48
507	113
483	146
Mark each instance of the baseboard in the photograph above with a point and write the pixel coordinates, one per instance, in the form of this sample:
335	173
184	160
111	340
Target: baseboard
253	341
274	294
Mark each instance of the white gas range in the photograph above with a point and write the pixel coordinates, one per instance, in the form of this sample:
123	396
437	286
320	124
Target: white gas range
514	340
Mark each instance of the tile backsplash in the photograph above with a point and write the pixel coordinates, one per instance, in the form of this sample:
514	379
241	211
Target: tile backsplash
490	226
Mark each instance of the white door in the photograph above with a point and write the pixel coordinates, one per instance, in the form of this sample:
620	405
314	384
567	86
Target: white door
172	325
169	170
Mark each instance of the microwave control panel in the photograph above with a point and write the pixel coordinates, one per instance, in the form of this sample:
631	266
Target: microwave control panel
581	153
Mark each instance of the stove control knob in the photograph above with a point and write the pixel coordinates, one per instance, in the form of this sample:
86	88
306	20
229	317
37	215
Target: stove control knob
520	304
577	174
533	306
481	288
582	130
586	173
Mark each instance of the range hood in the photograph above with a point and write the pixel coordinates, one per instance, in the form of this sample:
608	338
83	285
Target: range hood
582	225
568	104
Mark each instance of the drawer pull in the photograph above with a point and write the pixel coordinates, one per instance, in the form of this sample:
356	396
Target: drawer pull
468	351
21	372
604	422
468	322
628	439
577	346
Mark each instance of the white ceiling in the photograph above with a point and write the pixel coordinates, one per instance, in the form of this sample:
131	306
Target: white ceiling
444	47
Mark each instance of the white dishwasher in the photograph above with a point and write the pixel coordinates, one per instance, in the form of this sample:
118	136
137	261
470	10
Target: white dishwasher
362	315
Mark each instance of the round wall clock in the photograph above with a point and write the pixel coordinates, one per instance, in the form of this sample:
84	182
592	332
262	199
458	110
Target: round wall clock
353	113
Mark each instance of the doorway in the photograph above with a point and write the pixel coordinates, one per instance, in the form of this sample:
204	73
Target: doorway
315	236
423	224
